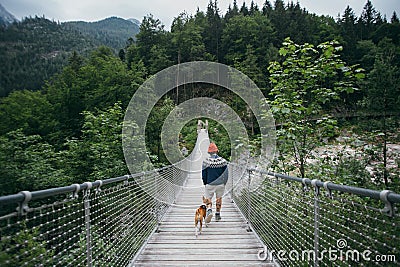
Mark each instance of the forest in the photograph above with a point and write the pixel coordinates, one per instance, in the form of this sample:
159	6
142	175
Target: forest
35	49
333	85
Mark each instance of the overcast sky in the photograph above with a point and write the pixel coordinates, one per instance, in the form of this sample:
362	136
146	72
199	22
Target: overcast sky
92	10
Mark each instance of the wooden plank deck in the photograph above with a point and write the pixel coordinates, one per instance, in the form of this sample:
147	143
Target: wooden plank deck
223	243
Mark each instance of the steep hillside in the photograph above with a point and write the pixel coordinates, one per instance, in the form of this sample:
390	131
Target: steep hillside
36	48
33	50
6	18
112	32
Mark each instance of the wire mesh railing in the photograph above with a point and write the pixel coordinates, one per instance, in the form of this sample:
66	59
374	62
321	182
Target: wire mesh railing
101	223
302	222
306	222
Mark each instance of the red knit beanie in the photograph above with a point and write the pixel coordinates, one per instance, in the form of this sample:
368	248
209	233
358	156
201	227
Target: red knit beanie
212	148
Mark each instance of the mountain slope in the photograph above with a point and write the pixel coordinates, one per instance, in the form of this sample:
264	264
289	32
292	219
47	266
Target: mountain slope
112	32
34	50
6	18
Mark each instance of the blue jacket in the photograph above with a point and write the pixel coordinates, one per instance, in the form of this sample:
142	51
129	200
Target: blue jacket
215	170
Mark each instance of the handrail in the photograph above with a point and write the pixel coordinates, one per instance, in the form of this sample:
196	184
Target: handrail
15	198
18	197
284	216
105	221
301	225
375	194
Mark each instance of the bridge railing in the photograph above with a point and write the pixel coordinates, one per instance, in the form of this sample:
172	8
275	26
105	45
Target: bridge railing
105	223
305	222
101	223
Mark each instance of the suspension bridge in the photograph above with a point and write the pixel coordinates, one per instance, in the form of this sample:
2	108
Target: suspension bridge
284	221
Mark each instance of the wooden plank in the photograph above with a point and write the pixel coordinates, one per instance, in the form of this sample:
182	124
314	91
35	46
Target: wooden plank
190	218
200	246
199	240
214	236
223	243
189	226
206	231
202	263
190	204
197	251
209	226
214	257
191	213
191	207
203	236
231	212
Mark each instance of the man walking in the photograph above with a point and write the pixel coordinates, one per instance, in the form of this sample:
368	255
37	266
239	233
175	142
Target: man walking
215	177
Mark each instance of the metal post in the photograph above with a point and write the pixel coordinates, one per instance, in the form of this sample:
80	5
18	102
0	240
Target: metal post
231	173
156	206
86	203
249	203
316	222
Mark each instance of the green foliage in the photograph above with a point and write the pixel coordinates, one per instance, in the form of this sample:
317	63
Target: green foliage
151	38
112	32
220	137
250	67
247	42
104	251
305	86
34	50
310	83
98	82
217	134
29	163
383	98
70	130
212	31
28	111
186	39
383	84
25	248
243	31
102	137
153	129
98	153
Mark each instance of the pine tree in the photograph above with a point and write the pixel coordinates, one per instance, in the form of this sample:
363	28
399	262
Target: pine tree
280	20
348	20
235	8
367	21
382	95
267	8
151	32
234	11
75	61
347	25
244	10
253	8
213	30
394	18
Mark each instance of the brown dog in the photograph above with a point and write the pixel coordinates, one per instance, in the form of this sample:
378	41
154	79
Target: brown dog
201	214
